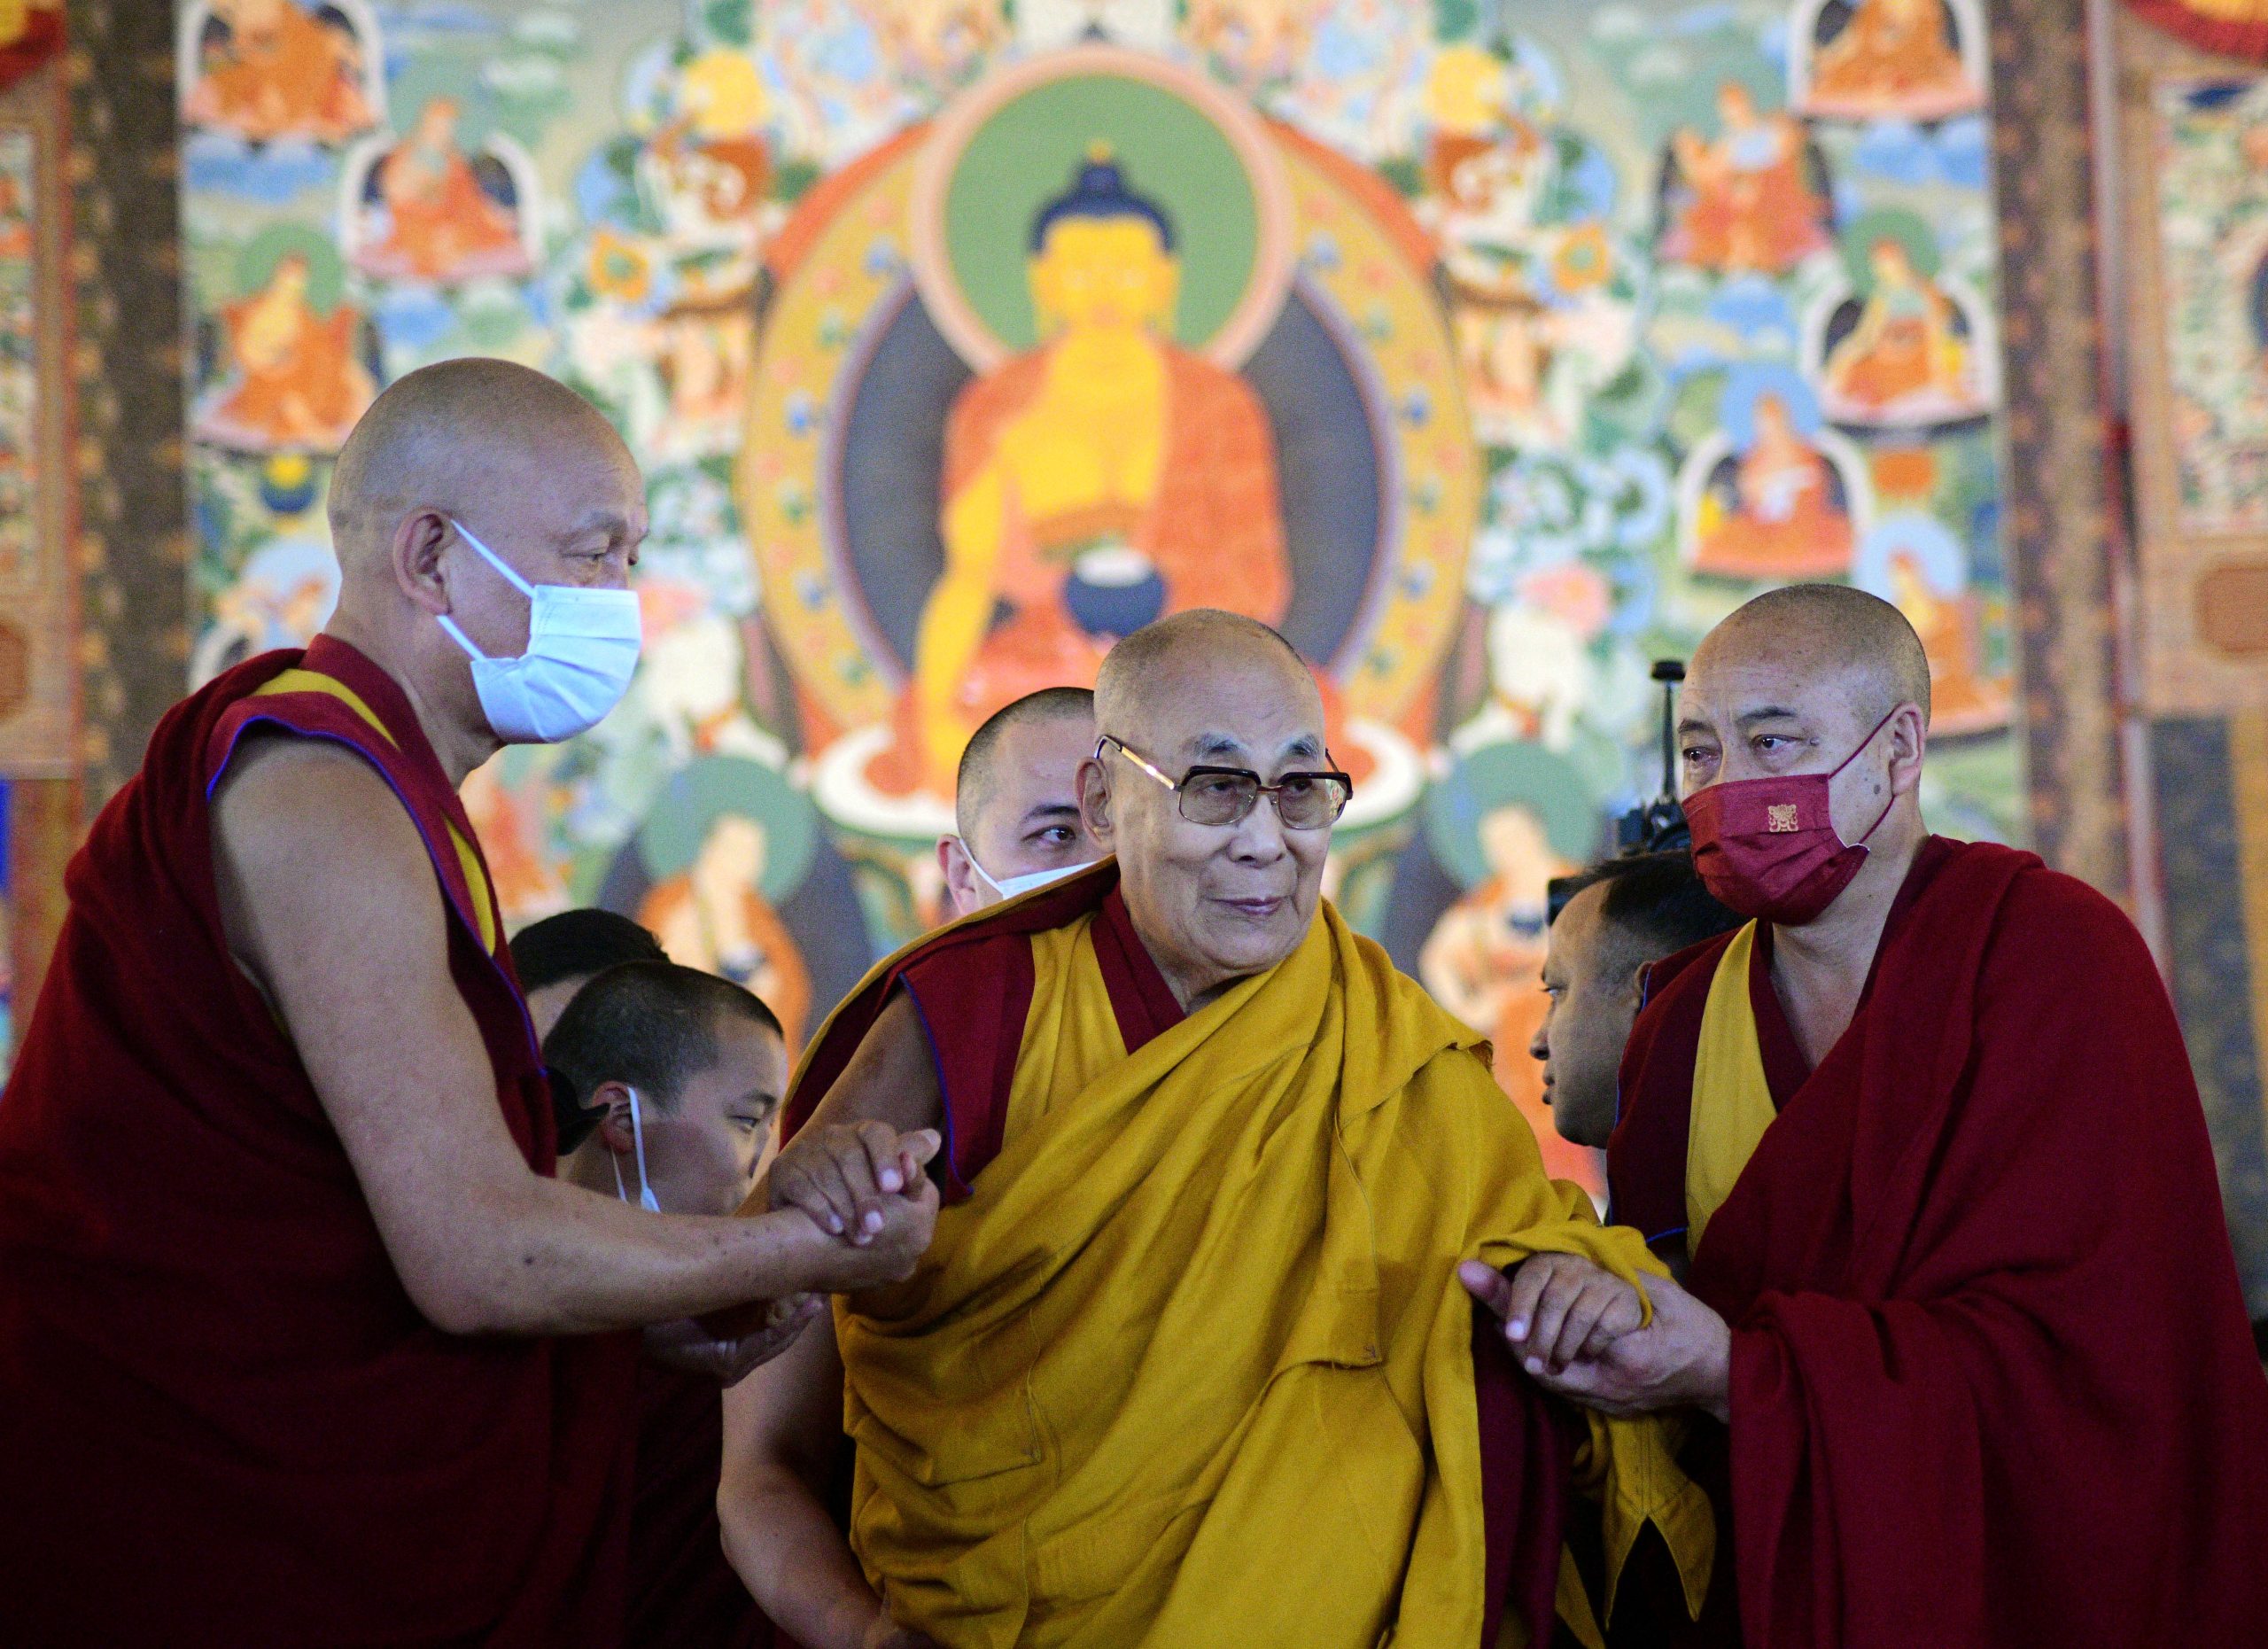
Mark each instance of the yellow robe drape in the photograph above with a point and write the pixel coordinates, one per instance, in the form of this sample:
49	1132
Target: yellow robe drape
1193	1366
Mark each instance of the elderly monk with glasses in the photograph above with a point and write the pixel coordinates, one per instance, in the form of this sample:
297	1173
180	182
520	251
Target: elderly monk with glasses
1188	1361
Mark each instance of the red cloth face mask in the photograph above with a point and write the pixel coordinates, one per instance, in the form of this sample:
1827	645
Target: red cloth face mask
1768	847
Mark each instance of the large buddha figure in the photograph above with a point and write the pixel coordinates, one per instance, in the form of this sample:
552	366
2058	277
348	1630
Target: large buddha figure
1091	485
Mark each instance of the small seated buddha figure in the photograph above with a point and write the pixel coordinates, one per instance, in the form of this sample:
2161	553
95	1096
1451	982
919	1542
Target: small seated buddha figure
299	383
441	223
1893	58
1907	353
1781	519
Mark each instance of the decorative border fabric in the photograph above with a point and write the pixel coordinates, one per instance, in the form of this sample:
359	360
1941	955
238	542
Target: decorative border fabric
2063	526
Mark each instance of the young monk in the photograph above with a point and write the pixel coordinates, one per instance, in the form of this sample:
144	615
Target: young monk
1963	1316
1188	1363
684	1072
295	1316
1016	801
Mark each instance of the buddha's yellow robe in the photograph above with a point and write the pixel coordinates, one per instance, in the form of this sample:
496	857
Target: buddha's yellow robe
1193	1366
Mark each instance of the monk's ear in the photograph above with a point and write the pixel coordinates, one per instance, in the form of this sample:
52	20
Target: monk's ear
1094	799
419	538
611	1101
1909	743
961	894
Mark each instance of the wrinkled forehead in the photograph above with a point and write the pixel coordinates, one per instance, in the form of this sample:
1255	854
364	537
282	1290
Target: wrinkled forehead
560	479
1241	708
1735	674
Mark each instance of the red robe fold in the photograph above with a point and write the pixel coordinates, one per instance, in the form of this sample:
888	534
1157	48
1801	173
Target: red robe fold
226	1421
1991	1380
972	985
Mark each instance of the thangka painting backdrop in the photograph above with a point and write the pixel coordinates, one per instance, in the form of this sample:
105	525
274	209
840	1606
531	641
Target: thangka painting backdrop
1490	351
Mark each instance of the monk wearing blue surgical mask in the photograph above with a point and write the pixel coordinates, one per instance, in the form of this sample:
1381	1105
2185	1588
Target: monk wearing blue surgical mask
291	1283
1016	801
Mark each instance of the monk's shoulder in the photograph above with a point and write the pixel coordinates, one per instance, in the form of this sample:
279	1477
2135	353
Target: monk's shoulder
286	804
2056	925
965	963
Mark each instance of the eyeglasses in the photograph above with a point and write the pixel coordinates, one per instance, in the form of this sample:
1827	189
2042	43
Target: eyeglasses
1224	796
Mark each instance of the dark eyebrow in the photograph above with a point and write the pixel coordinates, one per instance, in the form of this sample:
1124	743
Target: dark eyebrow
1046	811
1768	712
759	1097
1693	724
1217	744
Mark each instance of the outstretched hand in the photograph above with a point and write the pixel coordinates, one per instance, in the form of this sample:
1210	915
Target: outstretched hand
1682	1359
757	1332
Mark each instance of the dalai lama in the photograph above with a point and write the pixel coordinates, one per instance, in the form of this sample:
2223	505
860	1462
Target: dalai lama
1962	1303
1187	1363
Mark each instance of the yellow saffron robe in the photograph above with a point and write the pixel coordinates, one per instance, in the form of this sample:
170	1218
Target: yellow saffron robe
1193	1366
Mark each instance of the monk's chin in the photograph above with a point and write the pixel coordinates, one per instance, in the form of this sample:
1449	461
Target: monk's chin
1251	937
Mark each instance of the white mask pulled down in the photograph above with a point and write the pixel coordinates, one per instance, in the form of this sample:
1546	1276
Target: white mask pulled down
582	650
646	1197
1015	885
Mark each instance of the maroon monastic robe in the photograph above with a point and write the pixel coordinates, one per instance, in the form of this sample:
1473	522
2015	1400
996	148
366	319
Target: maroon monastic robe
1992	1380
682	1593
971	986
225	1420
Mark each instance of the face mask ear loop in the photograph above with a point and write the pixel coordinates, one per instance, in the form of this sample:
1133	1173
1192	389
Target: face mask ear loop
496	561
646	1196
1852	757
983	874
493	559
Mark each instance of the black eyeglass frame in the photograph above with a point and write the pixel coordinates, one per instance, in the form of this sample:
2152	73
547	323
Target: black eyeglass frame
1273	792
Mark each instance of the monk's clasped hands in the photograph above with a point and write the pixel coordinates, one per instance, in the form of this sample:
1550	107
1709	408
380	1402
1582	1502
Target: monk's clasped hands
1556	1308
864	1182
1576	1330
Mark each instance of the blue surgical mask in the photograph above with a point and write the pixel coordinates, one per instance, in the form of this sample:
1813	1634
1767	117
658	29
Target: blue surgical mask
646	1198
582	651
1025	884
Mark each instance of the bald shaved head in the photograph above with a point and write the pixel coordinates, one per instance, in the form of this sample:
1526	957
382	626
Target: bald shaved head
976	783
1147	664
1816	679
1017	798
1213	902
459	453
1833	627
455	433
